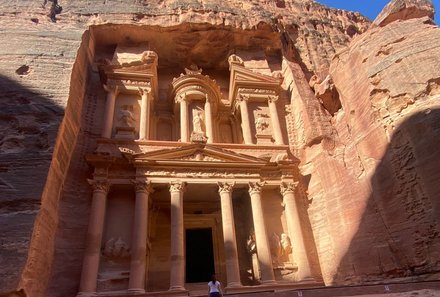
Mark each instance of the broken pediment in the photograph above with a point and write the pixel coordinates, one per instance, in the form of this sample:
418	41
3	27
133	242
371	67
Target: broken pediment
245	81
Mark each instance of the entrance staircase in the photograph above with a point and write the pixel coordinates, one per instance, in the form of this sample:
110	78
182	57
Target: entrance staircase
416	289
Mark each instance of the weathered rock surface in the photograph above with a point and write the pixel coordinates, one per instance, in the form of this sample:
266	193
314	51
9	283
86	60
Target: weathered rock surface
372	184
369	162
405	10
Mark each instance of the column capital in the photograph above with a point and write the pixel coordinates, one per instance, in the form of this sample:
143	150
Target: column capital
144	91
177	186
111	88
181	97
225	187
256	187
272	98
142	186
243	97
101	185
288	187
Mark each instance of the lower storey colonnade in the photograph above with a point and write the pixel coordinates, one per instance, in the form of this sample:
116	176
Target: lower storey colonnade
138	271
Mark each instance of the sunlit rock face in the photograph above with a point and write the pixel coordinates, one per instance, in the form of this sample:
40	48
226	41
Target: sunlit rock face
358	109
373	182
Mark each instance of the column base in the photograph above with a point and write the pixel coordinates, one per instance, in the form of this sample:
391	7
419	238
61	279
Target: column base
269	282
306	279
177	288
136	291
234	285
86	294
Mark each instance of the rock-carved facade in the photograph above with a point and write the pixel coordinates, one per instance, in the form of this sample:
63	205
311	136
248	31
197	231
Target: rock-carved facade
203	168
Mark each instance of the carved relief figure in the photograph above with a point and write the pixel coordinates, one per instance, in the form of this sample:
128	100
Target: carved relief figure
286	244
116	249
197	122
275	247
261	124
126	117
252	250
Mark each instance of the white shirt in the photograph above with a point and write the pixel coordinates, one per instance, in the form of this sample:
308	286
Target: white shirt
214	287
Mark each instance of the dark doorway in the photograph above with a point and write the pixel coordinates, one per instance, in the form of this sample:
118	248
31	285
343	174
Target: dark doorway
199	255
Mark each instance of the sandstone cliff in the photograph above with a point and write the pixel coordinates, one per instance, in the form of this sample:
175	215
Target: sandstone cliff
46	70
373	187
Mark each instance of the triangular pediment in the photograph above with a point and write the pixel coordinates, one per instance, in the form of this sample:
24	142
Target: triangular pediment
242	74
197	153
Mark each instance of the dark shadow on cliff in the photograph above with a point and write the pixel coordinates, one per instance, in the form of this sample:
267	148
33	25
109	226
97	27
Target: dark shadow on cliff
28	126
398	236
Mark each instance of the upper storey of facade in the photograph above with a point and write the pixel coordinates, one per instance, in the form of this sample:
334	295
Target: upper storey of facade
148	103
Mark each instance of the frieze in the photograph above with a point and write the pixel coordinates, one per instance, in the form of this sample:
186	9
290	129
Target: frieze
198	173
256	91
128	82
126	150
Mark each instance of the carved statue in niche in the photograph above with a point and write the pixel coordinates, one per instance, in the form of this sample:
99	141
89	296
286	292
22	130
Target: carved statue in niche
116	249
261	124
197	122
125	127
126	117
286	244
198	133
275	248
252	250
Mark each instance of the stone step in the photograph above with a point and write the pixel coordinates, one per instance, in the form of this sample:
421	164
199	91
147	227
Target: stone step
419	289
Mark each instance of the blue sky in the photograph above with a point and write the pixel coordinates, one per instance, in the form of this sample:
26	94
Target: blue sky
369	8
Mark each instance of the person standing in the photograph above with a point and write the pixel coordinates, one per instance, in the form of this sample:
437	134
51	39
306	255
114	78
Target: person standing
214	288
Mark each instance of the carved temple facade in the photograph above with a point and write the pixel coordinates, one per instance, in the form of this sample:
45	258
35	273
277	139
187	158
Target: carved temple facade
192	176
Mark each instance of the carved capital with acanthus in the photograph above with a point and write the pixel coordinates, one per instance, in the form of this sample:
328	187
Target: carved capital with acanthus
111	88
144	91
272	98
288	188
242	97
177	186
101	185
225	187
256	188
181	97
142	186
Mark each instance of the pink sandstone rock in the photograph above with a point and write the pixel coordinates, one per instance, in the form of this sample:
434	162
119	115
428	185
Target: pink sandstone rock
368	155
405	10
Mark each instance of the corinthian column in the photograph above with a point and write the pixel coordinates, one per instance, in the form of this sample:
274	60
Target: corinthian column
112	92
263	249
92	253
183	119
139	241
294	225
177	277
278	135
144	126
208	121
232	268
245	122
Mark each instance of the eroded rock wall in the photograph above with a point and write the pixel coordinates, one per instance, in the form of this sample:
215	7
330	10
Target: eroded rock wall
342	155
373	183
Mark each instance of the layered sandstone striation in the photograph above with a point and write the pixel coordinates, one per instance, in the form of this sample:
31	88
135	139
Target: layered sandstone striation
373	180
366	151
